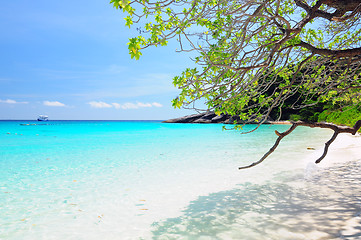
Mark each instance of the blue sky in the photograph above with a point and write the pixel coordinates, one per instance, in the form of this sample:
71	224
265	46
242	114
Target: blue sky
69	60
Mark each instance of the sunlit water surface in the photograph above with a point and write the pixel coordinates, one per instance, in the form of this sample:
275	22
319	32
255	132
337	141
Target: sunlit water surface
150	180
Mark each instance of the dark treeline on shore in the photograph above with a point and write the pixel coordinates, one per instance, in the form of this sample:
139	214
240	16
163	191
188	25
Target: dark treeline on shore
319	113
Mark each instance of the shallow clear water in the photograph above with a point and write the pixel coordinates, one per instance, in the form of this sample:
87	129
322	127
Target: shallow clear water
146	179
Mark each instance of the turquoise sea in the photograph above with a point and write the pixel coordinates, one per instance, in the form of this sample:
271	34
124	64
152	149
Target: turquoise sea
152	180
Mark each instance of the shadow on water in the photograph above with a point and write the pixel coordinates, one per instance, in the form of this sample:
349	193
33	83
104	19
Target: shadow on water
326	205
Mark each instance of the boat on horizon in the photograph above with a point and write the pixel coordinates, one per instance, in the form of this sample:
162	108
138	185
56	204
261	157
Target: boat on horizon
43	118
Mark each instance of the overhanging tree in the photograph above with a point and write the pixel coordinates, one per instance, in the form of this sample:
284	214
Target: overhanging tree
244	48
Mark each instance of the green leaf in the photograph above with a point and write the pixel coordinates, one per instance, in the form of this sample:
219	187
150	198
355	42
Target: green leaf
128	21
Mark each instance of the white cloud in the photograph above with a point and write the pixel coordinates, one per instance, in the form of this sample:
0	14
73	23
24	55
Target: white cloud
117	105
155	104
10	101
129	106
99	104
124	106
140	104
53	104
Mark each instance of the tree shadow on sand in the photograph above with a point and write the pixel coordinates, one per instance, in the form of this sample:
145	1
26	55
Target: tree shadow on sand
326	205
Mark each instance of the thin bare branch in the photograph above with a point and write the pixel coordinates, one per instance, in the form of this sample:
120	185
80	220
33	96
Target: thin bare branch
337	130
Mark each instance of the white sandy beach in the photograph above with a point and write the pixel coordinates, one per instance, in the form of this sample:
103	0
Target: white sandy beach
343	152
345	148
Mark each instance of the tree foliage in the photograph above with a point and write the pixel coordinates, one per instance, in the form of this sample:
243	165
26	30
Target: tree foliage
246	47
256	57
347	115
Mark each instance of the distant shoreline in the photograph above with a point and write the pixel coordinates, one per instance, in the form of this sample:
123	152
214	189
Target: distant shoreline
77	120
211	117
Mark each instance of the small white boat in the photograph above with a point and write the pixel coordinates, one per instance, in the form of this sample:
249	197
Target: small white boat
43	118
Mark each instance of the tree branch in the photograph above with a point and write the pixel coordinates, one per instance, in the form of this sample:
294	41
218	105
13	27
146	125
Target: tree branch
327	145
346	17
335	128
334	53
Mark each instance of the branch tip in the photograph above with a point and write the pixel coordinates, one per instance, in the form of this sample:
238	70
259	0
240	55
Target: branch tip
356	127
335	128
